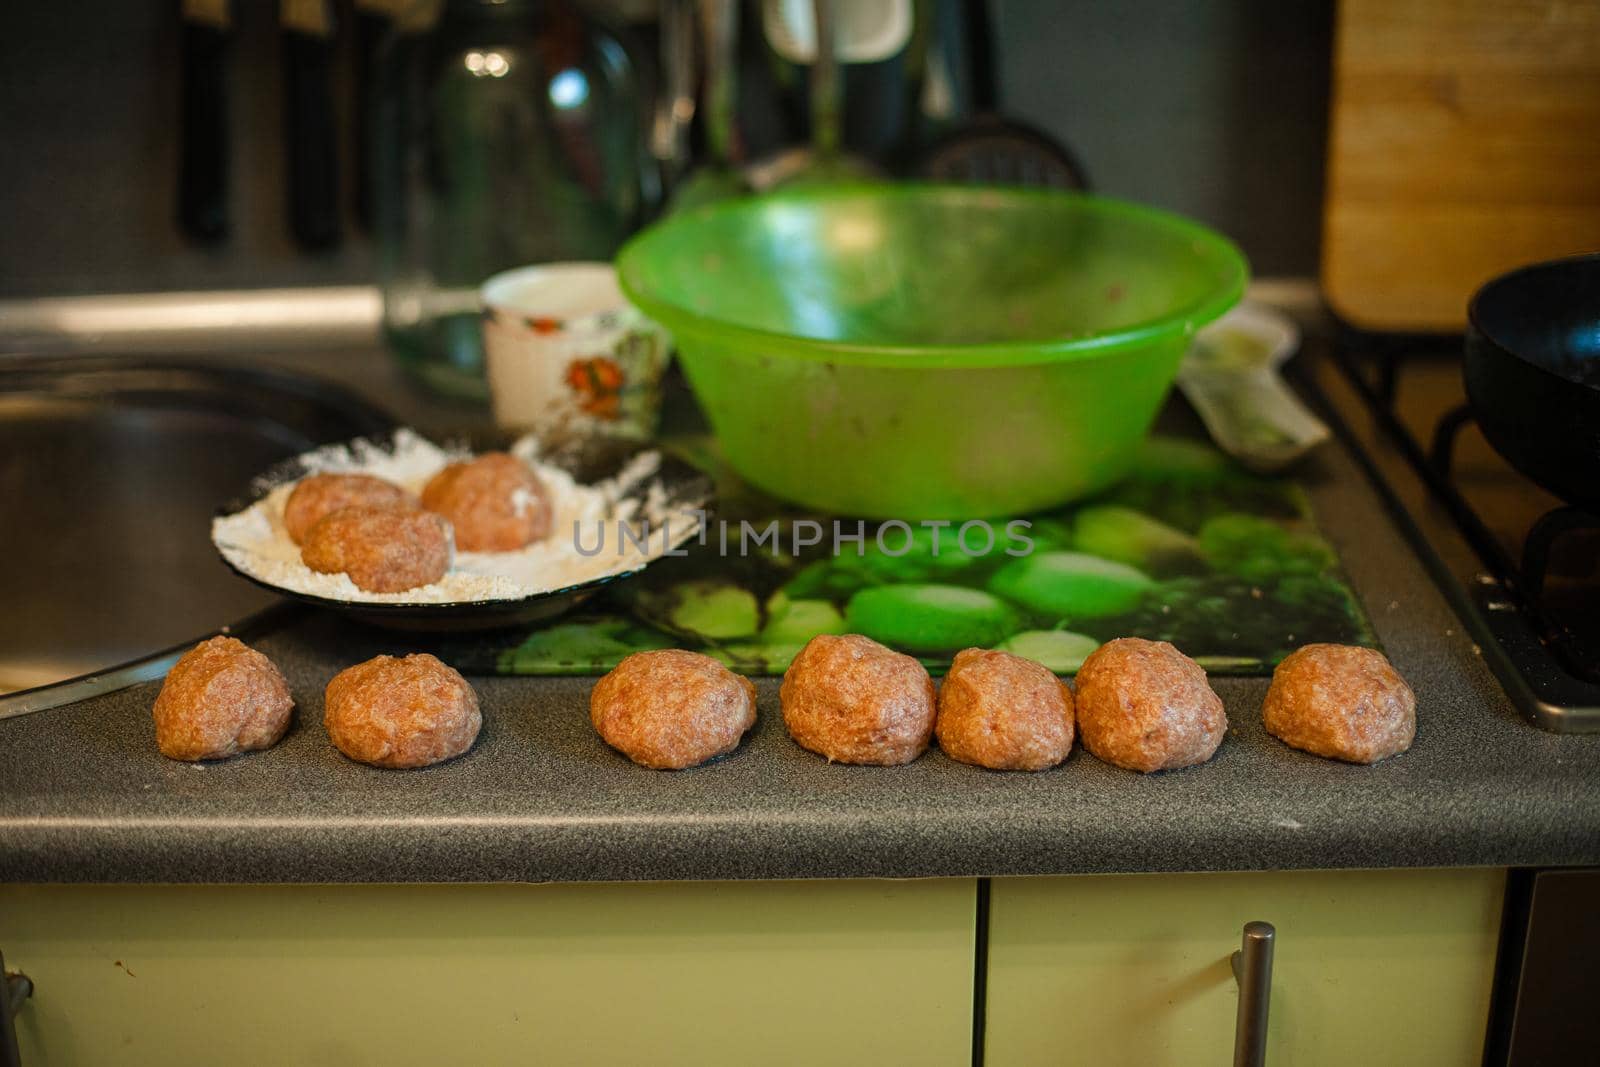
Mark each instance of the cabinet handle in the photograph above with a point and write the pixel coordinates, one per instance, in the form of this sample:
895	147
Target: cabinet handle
1252	969
14	989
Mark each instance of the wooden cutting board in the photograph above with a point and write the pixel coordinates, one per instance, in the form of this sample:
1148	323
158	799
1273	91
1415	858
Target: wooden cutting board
1465	141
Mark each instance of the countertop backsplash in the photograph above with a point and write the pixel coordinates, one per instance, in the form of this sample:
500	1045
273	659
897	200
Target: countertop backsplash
1216	110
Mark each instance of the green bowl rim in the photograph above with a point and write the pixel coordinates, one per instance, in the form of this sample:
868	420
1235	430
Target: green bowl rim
1182	321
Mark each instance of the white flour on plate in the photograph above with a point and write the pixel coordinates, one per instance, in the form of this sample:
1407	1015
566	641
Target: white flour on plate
254	540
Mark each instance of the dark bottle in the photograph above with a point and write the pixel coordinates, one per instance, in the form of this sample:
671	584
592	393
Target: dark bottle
507	132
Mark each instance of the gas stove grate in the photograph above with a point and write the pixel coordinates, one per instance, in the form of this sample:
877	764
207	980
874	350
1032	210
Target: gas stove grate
1549	667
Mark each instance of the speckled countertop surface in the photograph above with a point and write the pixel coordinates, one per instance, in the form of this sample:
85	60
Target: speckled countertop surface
84	796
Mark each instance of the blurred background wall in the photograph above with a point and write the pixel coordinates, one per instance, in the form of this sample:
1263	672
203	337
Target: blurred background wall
1214	108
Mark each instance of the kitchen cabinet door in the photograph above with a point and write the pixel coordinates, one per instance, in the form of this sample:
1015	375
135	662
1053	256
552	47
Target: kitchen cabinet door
1371	968
672	973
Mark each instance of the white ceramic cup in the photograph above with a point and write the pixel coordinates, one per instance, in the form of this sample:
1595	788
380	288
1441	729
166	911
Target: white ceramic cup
568	355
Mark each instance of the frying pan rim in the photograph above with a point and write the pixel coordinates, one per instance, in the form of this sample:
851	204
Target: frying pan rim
1475	316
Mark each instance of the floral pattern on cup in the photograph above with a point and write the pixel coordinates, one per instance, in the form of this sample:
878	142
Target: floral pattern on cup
563	376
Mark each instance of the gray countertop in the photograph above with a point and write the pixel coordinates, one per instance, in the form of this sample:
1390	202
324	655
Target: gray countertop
84	796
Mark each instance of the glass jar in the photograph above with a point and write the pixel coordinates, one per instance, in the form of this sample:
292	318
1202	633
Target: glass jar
507	132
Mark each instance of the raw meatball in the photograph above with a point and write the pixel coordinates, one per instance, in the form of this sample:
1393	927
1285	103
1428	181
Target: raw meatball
408	712
1004	712
221	698
495	503
854	701
1342	702
383	550
317	496
1146	706
672	709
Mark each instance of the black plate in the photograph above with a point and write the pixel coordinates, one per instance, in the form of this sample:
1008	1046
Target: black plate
587	461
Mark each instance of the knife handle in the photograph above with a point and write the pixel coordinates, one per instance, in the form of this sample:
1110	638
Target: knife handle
203	134
369	27
312	142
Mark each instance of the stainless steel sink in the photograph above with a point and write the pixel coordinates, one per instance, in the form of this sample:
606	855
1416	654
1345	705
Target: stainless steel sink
110	471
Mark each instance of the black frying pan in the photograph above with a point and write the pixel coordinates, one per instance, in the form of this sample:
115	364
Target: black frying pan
1533	373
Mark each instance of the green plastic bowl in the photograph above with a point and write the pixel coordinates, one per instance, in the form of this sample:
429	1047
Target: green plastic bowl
930	352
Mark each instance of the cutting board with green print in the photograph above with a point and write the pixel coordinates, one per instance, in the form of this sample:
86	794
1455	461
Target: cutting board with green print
1190	548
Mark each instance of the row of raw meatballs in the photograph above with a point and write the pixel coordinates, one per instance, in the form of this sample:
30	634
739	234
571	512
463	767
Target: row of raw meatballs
1139	704
389	541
